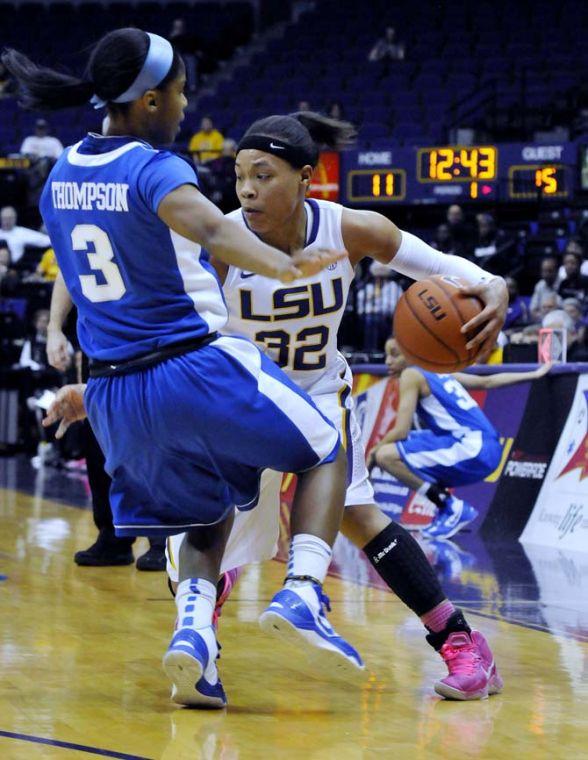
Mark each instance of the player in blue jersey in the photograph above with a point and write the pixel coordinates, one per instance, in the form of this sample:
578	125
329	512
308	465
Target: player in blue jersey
455	443
178	410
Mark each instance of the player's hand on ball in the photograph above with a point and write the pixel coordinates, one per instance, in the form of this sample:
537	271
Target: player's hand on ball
67	407
494	296
308	263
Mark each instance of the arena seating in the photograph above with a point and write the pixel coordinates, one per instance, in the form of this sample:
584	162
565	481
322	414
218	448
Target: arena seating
507	52
218	29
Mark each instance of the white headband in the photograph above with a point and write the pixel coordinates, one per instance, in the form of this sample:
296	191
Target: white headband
154	70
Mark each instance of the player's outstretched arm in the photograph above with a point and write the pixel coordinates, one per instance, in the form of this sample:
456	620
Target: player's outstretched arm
367	233
67	407
500	379
190	214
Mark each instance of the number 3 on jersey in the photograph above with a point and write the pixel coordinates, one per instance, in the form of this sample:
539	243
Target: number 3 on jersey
101	260
464	400
279	343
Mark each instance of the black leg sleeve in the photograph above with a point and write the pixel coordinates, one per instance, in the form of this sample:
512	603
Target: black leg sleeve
402	564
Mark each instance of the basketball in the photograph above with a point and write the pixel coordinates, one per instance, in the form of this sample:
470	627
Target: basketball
428	321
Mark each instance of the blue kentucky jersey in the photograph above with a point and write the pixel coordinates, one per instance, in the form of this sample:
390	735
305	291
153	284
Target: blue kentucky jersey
450	408
138	286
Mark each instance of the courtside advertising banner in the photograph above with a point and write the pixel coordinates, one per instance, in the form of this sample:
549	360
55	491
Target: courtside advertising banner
560	516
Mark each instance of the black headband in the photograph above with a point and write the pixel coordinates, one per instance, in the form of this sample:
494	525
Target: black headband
296	156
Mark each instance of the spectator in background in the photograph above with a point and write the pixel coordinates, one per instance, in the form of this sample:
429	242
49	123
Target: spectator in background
187	45
303	105
530	334
17	238
222	178
493	249
42	144
9	278
574	245
461	231
207	143
573	308
376	301
445	242
517	313
560	319
388	48
335	110
575	284
36	378
48	269
545	288
550	303
34	350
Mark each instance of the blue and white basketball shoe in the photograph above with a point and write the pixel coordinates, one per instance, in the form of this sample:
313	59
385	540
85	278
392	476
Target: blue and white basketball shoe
297	614
454	516
190	664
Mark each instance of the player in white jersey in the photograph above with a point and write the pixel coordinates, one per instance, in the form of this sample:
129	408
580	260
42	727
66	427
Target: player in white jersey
455	443
297	326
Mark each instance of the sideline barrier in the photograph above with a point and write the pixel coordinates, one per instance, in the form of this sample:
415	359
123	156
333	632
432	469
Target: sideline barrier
539	491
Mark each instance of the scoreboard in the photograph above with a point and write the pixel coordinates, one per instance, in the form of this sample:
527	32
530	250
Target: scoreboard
460	173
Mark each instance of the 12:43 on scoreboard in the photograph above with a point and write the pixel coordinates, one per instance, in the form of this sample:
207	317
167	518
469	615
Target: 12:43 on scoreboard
443	174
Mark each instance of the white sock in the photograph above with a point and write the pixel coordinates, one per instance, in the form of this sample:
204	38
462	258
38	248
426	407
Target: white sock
195	600
309	555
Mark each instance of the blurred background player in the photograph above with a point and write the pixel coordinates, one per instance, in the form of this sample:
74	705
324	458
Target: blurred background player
298	328
456	444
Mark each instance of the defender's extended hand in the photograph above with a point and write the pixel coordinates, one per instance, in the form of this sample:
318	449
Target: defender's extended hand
308	263
67	407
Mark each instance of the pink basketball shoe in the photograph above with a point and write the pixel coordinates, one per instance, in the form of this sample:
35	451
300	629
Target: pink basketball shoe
472	671
224	588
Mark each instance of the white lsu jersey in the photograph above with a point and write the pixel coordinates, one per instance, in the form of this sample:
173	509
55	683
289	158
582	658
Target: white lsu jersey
297	324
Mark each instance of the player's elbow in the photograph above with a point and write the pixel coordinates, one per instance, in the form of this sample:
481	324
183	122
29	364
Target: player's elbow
390	239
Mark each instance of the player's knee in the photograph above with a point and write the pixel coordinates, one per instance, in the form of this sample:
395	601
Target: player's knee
387	456
362	523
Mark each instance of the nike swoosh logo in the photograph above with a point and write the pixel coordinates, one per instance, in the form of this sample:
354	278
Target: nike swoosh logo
488	672
277	147
245	275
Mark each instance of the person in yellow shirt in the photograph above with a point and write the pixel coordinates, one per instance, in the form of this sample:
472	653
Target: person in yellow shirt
207	143
48	268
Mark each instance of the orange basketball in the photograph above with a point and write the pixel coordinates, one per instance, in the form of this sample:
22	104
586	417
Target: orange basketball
428	320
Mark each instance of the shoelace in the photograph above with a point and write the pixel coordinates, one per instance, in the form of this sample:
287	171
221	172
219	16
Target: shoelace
323	599
462	660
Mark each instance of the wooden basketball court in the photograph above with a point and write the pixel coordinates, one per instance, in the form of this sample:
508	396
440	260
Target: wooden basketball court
80	652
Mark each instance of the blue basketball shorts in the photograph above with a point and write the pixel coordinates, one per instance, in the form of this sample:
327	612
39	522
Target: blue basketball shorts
450	460
186	440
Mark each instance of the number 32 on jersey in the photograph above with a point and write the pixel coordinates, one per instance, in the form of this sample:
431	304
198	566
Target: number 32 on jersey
303	350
